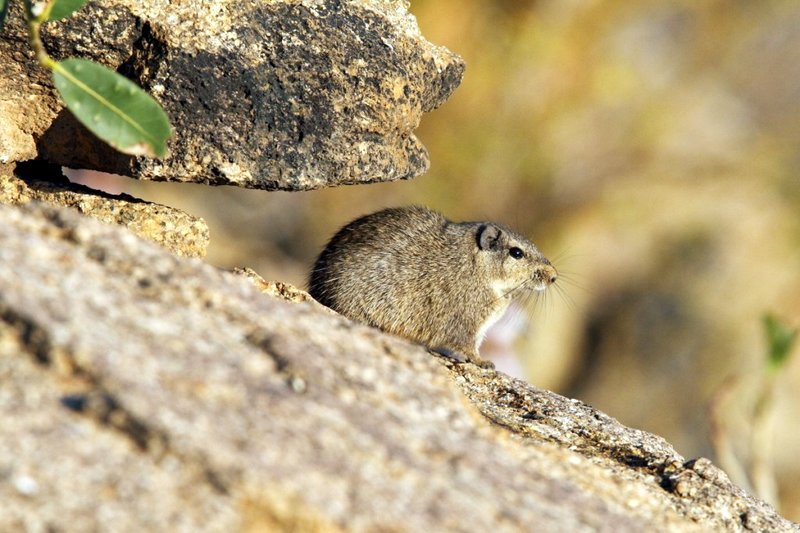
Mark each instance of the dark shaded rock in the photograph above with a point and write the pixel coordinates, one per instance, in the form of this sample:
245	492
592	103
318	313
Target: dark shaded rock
277	95
179	232
198	398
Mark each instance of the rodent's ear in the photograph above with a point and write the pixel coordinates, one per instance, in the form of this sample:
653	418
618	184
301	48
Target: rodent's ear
488	237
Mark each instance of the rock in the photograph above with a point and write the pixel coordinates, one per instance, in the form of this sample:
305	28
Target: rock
276	288
179	232
59	469
141	391
271	95
538	415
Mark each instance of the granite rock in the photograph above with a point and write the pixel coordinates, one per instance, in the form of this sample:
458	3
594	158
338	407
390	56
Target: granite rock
172	394
278	289
291	95
179	232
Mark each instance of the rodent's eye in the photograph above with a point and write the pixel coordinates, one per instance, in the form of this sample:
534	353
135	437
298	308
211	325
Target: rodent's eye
516	253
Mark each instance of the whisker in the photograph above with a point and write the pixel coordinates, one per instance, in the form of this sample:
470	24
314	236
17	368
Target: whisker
566	298
570	280
546	305
537	302
510	292
567	255
562	255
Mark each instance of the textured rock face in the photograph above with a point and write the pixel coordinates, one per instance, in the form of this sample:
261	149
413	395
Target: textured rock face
143	391
277	289
173	229
291	95
169	395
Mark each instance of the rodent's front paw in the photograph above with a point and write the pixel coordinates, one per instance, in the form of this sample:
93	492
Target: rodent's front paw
461	357
455	355
483	363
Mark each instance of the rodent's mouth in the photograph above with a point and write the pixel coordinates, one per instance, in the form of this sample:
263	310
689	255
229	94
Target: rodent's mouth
545	277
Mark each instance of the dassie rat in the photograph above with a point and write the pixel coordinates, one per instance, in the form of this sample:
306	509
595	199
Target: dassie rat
411	272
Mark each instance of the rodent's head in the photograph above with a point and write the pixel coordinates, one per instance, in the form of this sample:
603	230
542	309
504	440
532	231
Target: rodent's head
511	262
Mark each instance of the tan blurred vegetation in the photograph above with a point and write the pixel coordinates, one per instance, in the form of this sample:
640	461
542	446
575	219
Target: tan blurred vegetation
653	148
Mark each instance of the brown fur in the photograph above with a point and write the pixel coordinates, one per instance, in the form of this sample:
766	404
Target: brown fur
411	272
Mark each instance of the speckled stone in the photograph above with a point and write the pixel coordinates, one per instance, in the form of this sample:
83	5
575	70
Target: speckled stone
189	395
291	95
278	289
179	232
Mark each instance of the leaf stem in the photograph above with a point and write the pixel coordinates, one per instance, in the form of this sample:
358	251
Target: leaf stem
34	38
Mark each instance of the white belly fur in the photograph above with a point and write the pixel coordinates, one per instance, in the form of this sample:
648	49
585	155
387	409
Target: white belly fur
493	318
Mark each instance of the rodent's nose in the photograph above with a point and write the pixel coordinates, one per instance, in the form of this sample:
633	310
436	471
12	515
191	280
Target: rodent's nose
549	273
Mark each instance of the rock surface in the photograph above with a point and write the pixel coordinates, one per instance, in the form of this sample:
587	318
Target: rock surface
292	95
166	394
179	232
277	288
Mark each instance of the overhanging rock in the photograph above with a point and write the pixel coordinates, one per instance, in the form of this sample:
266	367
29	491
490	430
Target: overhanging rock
291	95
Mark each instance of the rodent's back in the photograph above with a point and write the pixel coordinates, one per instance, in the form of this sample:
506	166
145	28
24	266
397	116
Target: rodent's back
372	268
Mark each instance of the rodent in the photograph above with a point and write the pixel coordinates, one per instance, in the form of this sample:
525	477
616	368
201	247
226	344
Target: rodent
411	272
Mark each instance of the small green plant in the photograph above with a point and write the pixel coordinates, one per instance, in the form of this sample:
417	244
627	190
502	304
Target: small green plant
108	104
780	339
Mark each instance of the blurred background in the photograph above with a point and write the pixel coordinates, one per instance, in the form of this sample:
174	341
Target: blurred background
652	150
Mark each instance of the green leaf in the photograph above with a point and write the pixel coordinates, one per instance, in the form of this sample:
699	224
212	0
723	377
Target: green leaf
63	8
780	339
3	11
113	107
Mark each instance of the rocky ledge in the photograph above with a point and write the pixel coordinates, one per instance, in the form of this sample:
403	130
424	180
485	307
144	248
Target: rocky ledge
167	394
